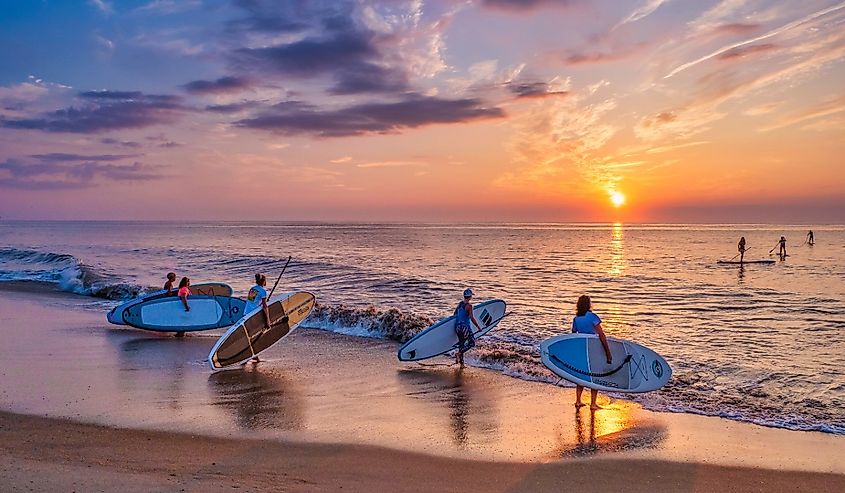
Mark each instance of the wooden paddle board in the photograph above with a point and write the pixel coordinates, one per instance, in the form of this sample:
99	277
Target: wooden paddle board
115	316
580	358
250	335
440	338
169	315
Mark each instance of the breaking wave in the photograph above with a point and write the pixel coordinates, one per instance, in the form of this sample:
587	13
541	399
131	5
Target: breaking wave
391	324
65	271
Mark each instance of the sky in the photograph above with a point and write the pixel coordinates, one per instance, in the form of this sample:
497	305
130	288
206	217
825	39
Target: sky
484	110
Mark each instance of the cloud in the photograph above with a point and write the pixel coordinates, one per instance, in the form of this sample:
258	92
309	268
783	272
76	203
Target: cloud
168	6
769	34
64	157
223	85
102	6
295	117
105	111
642	12
534	89
744	51
526	5
344	159
593	56
55	174
233	107
826	108
123	143
391	164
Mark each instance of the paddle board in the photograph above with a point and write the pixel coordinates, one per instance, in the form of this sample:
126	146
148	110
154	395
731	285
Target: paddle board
440	338
115	316
580	358
737	262
249	336
169	315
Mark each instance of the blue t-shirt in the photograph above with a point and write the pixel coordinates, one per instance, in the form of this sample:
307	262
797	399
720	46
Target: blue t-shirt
585	324
253	299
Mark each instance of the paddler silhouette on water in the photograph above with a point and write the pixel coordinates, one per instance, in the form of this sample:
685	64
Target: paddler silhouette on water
741	247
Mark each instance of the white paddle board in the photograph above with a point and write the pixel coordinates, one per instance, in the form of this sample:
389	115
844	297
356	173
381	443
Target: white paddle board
169	315
440	338
251	335
580	358
115	316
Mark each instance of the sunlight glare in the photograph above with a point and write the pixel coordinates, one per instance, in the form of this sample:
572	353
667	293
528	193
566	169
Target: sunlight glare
617	199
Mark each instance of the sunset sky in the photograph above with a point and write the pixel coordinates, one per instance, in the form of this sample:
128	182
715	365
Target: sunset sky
514	110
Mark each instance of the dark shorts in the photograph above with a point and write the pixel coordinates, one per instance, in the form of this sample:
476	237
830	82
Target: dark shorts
466	340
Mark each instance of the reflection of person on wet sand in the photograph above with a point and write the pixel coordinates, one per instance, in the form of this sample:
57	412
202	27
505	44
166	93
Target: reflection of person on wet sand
587	322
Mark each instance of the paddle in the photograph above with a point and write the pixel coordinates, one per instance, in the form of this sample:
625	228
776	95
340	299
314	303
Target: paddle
279	278
738	254
773	248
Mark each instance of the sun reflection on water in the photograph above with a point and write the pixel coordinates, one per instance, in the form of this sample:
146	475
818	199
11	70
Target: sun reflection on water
617	251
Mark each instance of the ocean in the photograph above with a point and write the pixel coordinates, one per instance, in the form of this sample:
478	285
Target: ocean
760	343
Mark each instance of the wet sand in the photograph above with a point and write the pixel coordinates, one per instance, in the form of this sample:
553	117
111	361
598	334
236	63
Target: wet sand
331	410
40	454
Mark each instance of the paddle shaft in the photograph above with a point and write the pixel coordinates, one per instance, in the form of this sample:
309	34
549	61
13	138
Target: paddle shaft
738	254
279	278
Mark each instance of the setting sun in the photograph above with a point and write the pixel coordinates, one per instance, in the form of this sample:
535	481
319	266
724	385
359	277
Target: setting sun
617	199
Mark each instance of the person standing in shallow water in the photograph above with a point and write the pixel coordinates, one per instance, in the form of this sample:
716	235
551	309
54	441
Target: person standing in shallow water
587	322
168	285
183	293
811	240
741	247
463	329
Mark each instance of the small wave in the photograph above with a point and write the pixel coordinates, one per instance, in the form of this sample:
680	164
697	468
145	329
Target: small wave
392	324
63	270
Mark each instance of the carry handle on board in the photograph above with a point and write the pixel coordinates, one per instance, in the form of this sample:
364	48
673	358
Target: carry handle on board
491	324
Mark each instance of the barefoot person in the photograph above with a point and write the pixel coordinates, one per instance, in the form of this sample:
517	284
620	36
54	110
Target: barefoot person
741	247
184	292
463	329
168	285
257	297
587	322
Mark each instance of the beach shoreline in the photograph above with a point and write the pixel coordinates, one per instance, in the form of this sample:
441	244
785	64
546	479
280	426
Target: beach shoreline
326	411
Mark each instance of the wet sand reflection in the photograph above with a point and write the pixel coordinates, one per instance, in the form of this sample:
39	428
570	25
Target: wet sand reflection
471	407
259	399
610	429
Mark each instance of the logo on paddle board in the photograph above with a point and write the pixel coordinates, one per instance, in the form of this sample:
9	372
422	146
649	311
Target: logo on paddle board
657	368
235	310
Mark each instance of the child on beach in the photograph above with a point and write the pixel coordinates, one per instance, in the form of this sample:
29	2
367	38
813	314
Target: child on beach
463	329
587	322
168	286
184	292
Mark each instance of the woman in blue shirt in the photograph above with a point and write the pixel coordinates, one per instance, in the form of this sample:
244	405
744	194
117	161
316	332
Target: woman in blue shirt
587	322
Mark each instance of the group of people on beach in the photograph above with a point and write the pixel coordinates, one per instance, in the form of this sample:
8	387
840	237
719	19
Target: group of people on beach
781	246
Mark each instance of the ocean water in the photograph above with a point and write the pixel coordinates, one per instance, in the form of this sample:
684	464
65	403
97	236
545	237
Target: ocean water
761	343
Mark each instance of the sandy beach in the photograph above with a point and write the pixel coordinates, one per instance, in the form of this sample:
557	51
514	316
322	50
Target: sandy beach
145	413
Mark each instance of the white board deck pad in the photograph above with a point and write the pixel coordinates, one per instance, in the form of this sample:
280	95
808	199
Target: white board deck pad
115	316
169	315
440	338
580	359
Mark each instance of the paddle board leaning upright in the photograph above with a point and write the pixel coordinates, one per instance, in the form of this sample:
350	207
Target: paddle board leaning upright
440	338
251	335
580	359
115	316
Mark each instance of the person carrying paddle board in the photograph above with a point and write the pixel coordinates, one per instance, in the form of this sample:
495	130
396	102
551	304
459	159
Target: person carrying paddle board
183	293
168	285
587	322
741	247
463	329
